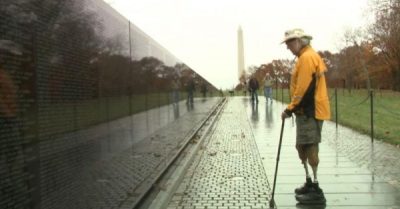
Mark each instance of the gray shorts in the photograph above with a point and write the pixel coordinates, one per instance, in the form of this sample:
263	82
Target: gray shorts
308	130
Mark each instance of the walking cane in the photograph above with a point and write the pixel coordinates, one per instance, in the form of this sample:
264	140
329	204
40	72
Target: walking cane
272	202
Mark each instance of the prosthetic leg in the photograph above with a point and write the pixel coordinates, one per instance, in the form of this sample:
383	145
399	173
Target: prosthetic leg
310	193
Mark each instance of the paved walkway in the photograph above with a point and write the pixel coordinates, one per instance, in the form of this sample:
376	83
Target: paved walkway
228	173
105	167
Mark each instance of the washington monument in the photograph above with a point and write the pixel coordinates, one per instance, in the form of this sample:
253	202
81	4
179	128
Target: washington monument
241	70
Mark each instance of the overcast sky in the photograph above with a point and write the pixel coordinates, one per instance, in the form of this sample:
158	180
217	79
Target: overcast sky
203	33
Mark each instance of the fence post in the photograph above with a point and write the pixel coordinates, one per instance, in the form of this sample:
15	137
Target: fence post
344	86
336	108
371	94
276	84
282	92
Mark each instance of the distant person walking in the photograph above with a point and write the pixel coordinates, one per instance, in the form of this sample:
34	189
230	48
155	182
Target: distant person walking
268	87
253	86
175	85
204	89
190	88
310	104
245	88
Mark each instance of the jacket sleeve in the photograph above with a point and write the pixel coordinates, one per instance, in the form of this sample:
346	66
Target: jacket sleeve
305	69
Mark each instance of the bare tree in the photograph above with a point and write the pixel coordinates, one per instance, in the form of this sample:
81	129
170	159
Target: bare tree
385	36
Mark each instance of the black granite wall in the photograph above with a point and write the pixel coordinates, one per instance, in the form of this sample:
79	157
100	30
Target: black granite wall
71	73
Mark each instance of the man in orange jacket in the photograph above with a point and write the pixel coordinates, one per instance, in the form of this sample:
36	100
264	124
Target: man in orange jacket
310	104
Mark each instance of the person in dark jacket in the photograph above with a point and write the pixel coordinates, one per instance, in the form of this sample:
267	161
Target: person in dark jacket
190	88
204	89
253	86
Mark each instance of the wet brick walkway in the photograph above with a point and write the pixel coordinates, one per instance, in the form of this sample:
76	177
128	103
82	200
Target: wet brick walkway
344	172
380	158
228	172
353	173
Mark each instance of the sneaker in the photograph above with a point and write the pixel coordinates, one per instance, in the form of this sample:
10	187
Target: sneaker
307	187
311	198
317	188
305	206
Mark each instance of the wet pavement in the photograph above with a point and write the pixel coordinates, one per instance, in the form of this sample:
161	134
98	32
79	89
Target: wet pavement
227	174
346	159
228	171
125	156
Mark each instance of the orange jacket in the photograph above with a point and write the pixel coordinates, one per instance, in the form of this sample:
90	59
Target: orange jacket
310	62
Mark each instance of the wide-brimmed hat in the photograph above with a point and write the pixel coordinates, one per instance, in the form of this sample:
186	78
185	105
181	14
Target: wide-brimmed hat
295	33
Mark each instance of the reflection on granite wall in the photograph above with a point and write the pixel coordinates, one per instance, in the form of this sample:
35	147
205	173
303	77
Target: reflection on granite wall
85	99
